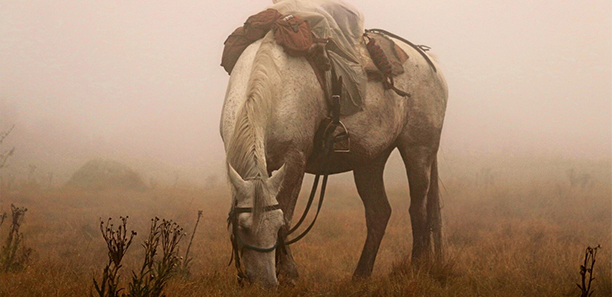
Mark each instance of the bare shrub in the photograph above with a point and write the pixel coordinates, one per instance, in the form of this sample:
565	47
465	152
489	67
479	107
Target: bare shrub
5	155
186	261
117	242
14	256
586	271
155	271
2	217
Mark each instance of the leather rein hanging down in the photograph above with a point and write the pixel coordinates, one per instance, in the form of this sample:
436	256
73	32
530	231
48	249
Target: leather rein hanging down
328	140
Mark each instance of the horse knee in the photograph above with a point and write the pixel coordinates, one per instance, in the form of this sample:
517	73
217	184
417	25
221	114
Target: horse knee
385	212
418	212
378	215
418	218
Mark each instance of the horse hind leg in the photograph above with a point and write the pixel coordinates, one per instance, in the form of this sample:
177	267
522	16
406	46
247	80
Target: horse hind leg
371	189
434	215
418	161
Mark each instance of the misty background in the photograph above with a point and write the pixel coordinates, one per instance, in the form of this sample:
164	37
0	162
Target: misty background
139	81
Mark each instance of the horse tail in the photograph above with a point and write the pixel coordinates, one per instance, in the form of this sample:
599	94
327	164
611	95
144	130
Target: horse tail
434	214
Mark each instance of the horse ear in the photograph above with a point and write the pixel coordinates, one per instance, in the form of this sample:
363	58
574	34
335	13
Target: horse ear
235	179
277	178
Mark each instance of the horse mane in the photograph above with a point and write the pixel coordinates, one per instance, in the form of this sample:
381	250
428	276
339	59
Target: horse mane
246	149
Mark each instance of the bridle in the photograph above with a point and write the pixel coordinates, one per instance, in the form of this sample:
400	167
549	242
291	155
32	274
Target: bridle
238	244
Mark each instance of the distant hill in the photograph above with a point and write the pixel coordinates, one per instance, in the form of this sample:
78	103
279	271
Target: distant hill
99	174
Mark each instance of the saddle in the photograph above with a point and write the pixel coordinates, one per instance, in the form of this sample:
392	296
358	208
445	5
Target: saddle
291	32
340	73
383	60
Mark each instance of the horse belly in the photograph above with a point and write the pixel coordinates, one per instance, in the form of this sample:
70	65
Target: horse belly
372	132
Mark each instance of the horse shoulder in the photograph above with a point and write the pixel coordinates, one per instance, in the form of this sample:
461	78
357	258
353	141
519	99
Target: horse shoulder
298	107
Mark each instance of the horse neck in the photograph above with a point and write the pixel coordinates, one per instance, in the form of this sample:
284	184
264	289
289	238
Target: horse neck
247	149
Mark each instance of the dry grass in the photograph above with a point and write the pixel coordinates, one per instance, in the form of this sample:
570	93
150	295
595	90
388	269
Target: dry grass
522	236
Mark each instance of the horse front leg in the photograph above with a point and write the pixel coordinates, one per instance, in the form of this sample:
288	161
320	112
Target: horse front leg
287	198
371	189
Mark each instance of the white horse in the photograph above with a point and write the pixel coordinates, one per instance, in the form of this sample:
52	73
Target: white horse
273	107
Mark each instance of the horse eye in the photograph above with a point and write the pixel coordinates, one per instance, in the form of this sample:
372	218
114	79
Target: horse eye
243	229
242	226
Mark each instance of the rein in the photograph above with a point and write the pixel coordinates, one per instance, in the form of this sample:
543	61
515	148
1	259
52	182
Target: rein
238	244
312	194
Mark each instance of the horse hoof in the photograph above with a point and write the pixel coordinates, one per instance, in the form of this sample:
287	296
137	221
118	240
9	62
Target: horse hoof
359	276
289	282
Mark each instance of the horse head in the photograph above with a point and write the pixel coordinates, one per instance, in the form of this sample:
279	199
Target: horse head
255	221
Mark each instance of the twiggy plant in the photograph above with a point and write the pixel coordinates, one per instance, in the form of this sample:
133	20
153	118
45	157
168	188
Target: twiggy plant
186	263
4	156
117	242
14	255
586	271
2	217
160	262
154	274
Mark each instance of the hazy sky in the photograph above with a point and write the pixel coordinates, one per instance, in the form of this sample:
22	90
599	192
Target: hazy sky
140	81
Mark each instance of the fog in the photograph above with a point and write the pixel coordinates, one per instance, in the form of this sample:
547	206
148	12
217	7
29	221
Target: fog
140	81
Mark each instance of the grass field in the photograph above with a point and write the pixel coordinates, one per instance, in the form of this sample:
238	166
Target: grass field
511	234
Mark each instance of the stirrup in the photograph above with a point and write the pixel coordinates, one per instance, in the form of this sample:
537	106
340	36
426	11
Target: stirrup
342	141
338	139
